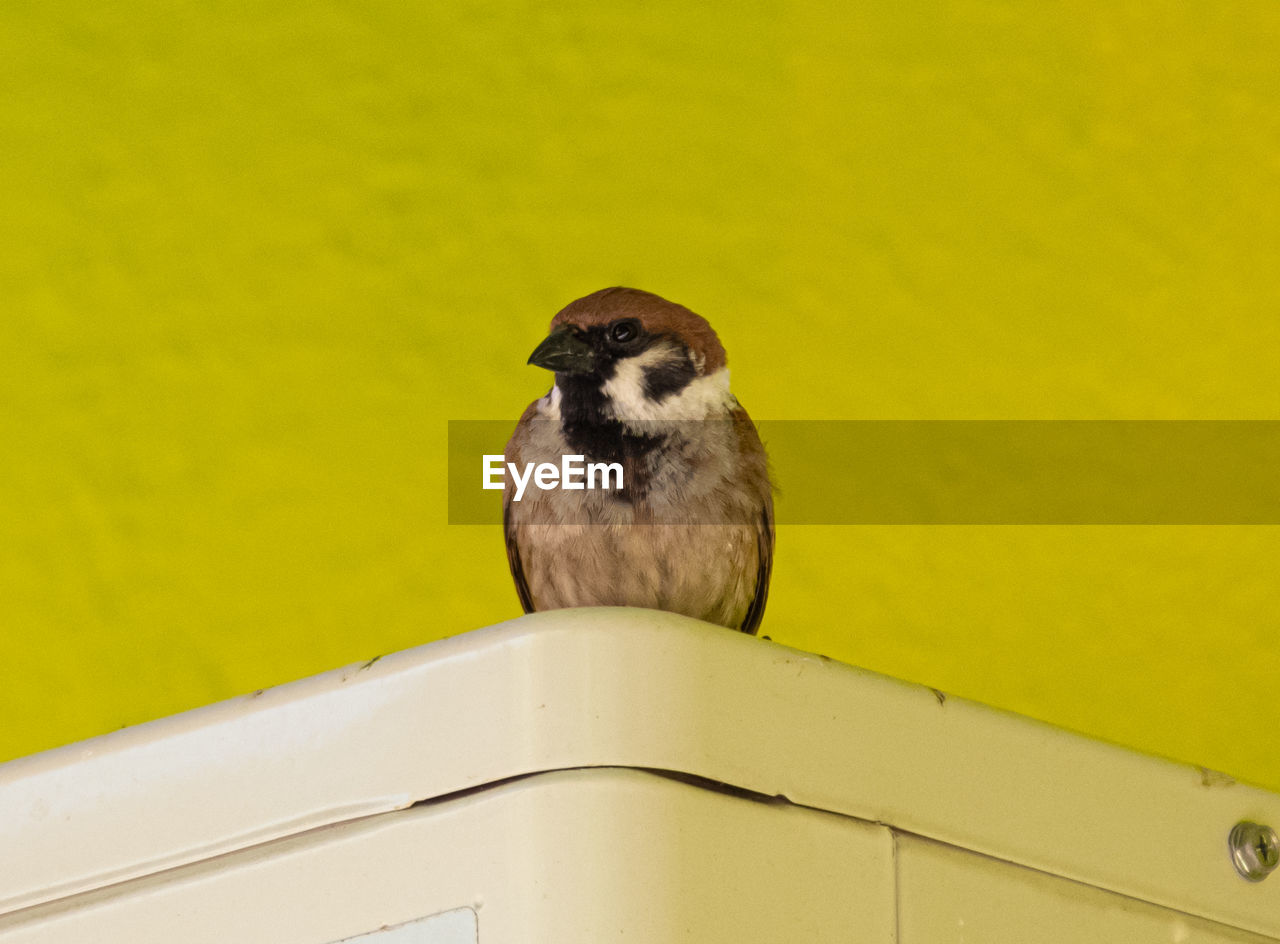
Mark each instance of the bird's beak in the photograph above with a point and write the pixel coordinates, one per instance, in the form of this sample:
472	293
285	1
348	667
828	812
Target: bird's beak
565	353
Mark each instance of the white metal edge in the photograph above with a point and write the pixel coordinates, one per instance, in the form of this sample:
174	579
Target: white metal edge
628	688
575	857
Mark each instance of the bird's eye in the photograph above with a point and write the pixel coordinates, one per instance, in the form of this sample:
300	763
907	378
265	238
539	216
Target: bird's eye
623	331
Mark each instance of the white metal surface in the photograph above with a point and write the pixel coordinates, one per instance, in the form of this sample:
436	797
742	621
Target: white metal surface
457	926
583	688
948	896
572	857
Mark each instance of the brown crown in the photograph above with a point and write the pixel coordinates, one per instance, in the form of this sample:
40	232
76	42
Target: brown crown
655	313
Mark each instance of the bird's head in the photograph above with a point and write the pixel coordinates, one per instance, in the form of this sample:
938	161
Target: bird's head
623	354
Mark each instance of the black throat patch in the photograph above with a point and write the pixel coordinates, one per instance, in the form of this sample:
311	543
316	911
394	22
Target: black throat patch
592	433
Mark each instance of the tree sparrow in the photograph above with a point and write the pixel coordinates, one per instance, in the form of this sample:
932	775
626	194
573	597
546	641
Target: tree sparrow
641	383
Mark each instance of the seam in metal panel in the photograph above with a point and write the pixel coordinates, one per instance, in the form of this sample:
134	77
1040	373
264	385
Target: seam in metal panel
897	885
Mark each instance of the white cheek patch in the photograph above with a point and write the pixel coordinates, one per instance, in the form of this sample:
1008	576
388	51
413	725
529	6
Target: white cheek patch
549	406
702	397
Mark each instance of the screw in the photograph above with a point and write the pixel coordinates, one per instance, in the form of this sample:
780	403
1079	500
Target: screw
1255	850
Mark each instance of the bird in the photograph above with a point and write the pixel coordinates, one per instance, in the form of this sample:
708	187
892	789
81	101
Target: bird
641	384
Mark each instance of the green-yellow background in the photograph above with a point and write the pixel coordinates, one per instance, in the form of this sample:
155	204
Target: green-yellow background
255	255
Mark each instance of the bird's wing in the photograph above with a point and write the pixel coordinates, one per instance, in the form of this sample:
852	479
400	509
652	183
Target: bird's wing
512	454
764	569
756	475
513	557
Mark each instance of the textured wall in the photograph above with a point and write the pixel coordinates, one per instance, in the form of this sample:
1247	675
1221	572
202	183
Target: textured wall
255	256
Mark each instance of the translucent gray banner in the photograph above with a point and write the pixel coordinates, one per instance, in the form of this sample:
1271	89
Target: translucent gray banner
1008	472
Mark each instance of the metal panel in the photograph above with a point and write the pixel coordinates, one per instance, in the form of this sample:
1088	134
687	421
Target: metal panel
949	896
450	927
577	688
575	857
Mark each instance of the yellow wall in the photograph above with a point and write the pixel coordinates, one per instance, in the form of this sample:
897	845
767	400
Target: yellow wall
254	256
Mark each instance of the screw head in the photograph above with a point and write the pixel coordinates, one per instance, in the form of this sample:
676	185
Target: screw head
1255	850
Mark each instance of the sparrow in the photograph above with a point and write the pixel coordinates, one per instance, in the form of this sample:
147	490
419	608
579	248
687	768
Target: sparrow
642	383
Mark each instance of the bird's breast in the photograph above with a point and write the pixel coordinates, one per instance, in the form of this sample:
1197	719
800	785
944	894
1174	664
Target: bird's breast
704	571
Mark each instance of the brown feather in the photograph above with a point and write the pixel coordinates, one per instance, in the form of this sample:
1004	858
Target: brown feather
751	446
658	315
512	454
